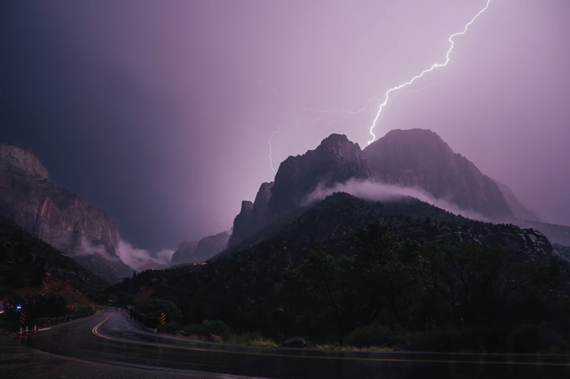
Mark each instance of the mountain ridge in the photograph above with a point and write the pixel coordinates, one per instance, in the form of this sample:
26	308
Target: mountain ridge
415	158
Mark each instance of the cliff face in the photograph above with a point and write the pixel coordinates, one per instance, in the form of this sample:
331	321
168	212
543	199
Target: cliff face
201	251
252	216
519	210
420	158
335	160
184	253
23	159
55	215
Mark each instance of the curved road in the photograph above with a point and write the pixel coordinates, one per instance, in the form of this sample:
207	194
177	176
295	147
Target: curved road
110	337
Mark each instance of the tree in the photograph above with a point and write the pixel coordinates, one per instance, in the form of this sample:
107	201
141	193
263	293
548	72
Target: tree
384	276
482	282
389	273
320	285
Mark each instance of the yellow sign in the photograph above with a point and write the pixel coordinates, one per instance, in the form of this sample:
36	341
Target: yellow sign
162	318
22	318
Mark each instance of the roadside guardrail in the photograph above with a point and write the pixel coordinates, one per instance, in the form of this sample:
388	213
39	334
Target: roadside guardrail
47	322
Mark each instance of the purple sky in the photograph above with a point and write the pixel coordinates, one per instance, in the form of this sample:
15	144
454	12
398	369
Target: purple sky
160	111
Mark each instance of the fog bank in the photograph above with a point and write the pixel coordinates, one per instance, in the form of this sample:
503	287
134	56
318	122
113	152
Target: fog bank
375	191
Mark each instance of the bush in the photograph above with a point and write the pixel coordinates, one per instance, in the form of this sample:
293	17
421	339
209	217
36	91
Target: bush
525	339
370	335
550	340
207	327
155	307
170	327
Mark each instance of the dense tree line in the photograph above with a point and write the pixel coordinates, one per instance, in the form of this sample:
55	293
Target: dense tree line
378	288
464	295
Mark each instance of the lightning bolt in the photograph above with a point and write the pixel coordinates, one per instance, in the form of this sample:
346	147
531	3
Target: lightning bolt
433	67
342	110
271	151
325	112
387	97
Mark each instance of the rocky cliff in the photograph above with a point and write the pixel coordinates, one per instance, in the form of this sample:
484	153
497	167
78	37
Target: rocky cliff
519	210
54	214
252	216
23	159
421	159
335	160
201	251
184	253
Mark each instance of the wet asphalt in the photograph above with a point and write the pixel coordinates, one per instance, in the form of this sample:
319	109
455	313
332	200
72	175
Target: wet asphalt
110	337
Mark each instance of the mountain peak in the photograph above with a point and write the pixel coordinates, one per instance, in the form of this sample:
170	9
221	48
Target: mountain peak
419	158
335	160
338	145
415	144
23	159
336	140
414	158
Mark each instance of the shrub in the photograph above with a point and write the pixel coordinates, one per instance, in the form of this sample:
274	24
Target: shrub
216	327
370	335
525	339
551	340
169	327
155	307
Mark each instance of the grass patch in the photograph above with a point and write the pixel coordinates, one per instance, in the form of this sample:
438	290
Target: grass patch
370	335
381	349
251	339
208	327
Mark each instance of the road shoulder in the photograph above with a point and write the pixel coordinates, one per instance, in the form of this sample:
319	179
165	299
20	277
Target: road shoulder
18	361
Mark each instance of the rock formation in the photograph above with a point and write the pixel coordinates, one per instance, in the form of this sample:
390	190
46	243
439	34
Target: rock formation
421	159
54	214
24	159
335	160
409	158
519	210
252	216
201	251
184	253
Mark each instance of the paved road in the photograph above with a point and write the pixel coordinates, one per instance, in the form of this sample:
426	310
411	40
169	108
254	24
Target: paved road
109	337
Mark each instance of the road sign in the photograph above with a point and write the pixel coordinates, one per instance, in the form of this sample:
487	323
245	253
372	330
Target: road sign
22	318
162	318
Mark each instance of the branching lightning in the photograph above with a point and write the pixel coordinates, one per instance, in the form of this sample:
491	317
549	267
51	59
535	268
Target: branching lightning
342	110
387	97
433	67
345	112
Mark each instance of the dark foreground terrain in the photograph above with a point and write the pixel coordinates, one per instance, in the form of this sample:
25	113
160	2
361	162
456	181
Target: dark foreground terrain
122	350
